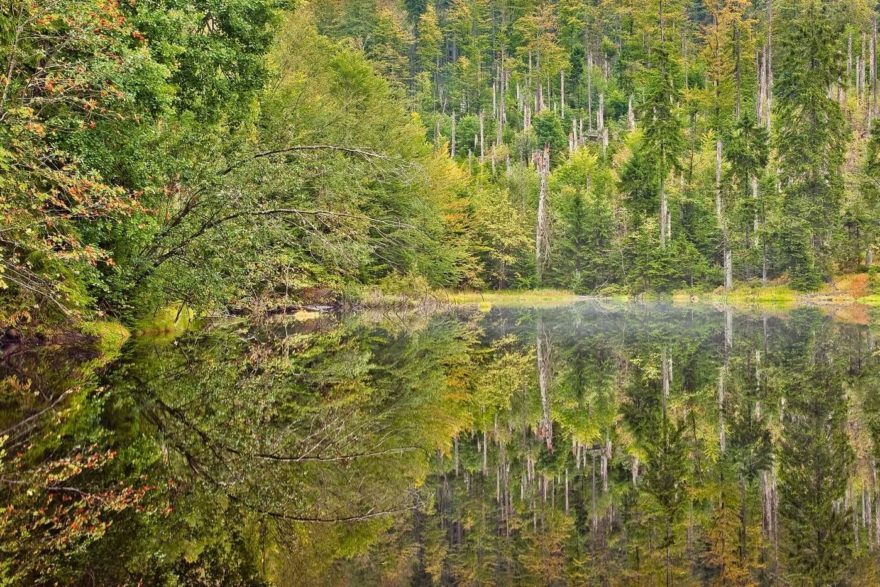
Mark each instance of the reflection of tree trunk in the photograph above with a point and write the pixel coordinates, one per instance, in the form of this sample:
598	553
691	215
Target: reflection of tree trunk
606	455
666	368
566	491
743	520
721	435
545	428
722	373
593	506
768	512
485	455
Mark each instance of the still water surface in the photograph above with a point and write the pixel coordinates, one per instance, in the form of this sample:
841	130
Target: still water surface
593	444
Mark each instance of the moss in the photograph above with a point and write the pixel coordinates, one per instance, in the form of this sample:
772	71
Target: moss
168	321
110	336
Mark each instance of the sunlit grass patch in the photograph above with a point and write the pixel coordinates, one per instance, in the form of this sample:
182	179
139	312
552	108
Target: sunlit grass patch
485	300
741	294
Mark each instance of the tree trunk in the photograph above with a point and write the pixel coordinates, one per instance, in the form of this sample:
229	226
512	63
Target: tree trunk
630	114
590	91
452	144
542	231
663	212
482	140
562	94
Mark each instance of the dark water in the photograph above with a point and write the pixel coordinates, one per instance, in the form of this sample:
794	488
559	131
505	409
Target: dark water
596	444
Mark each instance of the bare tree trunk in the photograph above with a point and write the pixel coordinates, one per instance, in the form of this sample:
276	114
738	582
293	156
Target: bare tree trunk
482	140
452	144
873	103
630	114
542	231
590	91
862	76
664	212
849	60
756	221
562	94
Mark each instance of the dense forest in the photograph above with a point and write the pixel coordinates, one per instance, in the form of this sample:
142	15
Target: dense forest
220	153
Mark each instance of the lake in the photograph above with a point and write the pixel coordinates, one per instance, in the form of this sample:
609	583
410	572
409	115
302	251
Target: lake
596	443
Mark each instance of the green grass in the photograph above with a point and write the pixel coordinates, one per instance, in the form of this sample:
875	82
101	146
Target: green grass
771	294
871	300
538	297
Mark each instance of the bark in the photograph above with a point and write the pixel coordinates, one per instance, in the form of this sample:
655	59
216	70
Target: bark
562	94
482	140
873	103
452	144
542	230
722	438
664	205
630	114
590	91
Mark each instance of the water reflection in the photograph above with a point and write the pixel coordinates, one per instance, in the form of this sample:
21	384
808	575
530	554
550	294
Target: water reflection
603	444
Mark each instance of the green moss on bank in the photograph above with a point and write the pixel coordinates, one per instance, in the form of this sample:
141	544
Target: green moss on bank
110	336
168	321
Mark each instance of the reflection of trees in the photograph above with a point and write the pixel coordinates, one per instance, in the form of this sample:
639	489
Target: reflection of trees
652	487
466	452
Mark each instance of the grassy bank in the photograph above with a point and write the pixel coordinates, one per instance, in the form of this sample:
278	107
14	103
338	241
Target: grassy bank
538	297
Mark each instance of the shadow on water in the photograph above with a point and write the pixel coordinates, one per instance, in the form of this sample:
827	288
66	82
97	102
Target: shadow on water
598	443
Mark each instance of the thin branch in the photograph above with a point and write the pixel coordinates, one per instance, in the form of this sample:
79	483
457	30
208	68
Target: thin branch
350	150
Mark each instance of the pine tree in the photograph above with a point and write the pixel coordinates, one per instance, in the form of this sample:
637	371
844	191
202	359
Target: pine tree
810	139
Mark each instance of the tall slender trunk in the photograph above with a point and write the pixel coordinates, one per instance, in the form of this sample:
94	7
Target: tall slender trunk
542	233
664	212
482	140
590	91
872	104
452	144
562	94
630	114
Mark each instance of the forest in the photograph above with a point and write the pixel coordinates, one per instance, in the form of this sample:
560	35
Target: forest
439	292
217	154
